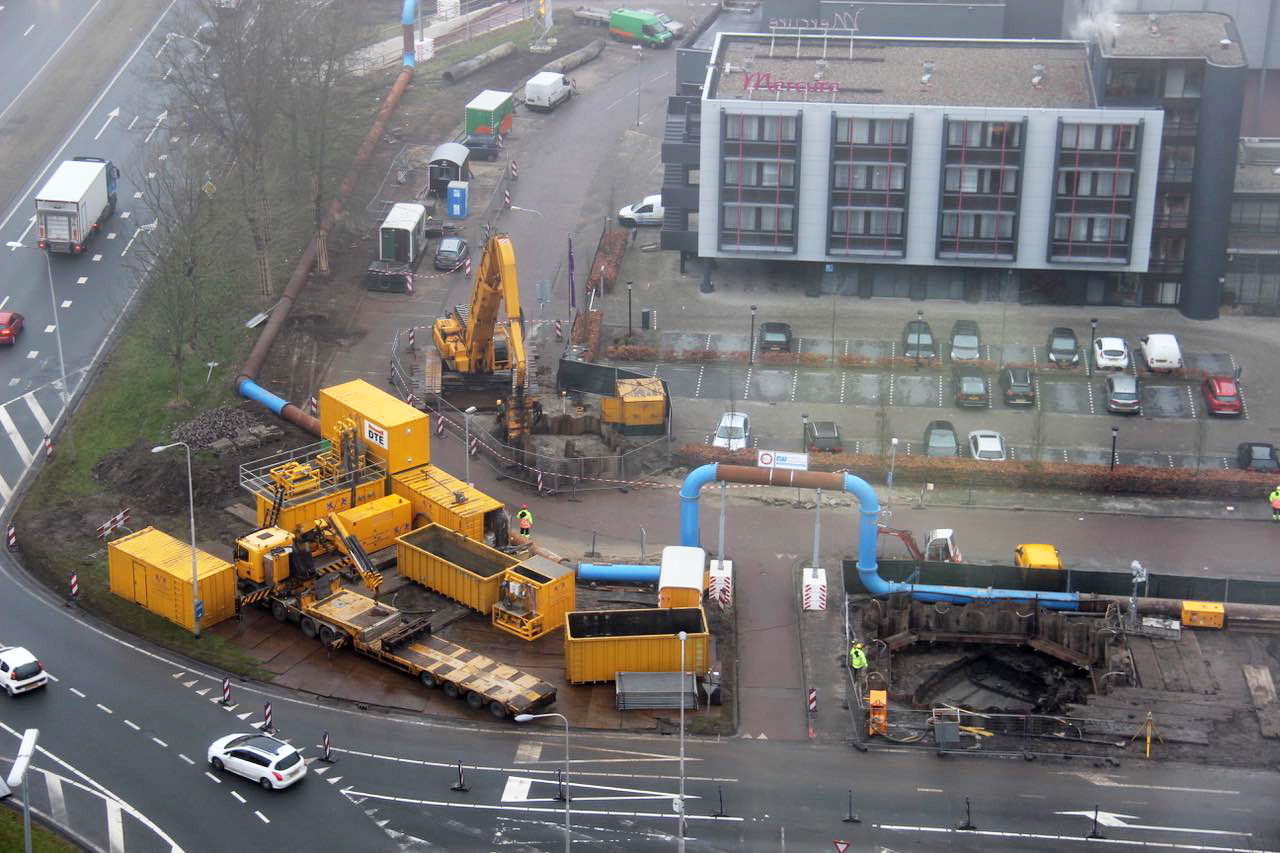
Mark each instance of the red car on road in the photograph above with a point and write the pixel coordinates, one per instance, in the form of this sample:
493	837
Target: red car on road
1222	396
10	326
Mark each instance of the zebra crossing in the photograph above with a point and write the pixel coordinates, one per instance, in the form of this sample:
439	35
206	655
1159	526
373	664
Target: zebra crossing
25	421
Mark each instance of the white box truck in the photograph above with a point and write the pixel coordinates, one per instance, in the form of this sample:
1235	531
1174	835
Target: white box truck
74	203
546	90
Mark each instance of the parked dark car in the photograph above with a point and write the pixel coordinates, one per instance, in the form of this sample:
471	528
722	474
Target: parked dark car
940	439
1062	348
1018	387
966	342
822	436
918	340
775	337
451	253
483	147
1257	456
971	387
1123	394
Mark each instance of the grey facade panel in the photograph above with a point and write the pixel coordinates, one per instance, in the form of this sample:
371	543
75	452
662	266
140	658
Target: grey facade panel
1209	218
947	20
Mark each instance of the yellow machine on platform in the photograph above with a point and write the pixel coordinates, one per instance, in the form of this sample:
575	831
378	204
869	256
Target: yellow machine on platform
638	407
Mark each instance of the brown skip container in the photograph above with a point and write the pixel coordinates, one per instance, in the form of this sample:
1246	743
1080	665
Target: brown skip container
598	644
153	569
467	571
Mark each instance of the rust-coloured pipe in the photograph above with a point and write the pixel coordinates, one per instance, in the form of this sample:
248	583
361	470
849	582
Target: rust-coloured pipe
832	481
246	381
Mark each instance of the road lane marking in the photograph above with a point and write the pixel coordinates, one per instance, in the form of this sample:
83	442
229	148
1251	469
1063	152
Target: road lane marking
77	692
57	802
1114	819
556	810
102	707
236	794
115	827
1032	796
528	751
190	683
66	303
12	429
33	354
453	765
214	778
48	330
516	790
261	816
84	279
131	724
34	406
184	758
162	743
52	677
930	790
1105	781
1079	839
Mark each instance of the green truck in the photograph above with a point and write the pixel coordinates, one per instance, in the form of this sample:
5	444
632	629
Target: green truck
639	27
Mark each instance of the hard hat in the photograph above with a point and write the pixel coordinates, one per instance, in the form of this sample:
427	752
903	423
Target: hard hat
857	645
524	506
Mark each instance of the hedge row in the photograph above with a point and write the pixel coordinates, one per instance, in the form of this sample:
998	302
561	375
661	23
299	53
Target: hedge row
640	352
1055	476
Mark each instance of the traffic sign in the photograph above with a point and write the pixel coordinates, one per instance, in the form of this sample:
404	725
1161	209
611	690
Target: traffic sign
841	846
787	459
199	610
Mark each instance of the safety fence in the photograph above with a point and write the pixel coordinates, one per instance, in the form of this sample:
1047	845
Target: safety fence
546	473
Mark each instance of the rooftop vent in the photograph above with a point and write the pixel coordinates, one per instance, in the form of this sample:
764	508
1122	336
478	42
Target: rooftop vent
1225	43
1153	24
822	69
1037	75
927	77
1276	170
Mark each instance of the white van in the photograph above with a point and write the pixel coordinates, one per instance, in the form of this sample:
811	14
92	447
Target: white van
546	90
1160	352
647	211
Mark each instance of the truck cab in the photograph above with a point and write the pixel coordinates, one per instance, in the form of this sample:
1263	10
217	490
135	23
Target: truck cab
264	556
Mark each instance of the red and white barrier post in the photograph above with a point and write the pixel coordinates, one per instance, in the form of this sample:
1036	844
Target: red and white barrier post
73	588
327	756
312	407
440	424
11	537
412	339
506	198
475	445
226	691
559	331
515	171
266	720
48	446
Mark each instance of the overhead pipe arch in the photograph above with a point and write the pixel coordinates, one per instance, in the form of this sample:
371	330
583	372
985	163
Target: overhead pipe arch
868	516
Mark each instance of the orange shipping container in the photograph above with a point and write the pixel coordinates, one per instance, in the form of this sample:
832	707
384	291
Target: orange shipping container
153	569
435	495
394	432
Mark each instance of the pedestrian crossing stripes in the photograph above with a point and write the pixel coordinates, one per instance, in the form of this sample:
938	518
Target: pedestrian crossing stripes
25	420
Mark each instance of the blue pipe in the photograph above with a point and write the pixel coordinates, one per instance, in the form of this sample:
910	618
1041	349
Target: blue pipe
868	570
407	15
618	573
254	391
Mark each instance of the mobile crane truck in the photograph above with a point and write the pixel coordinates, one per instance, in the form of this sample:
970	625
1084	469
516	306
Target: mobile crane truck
277	570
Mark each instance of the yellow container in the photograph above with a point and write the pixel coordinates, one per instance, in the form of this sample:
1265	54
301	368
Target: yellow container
152	568
1203	614
598	644
639	407
434	495
467	571
300	516
1037	556
394	432
378	523
534	597
682	576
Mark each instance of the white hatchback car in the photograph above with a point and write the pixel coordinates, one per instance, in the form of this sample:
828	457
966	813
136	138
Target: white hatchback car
987	445
20	671
734	431
269	761
1110	353
1160	352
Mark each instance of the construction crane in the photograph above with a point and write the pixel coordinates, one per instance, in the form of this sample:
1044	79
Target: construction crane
479	351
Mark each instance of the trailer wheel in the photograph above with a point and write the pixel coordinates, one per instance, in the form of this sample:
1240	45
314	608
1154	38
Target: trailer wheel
327	634
475	700
279	611
496	708
451	690
309	627
428	680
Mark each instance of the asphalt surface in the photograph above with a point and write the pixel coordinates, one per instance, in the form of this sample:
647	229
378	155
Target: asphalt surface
31	37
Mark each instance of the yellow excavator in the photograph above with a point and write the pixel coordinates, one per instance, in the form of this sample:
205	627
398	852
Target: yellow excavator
480	356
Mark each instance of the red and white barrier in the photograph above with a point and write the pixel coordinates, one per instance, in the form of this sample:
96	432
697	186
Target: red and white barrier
466	267
266	719
475	446
114	523
813	700
11	536
515	172
559	331
412	339
74	583
226	691
48	446
506	198
327	755
439	424
312	407
539	482
720	589
815	589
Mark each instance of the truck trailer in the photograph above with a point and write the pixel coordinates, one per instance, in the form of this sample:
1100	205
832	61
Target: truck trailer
74	203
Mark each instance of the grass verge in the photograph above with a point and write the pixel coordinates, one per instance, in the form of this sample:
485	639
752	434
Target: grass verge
43	839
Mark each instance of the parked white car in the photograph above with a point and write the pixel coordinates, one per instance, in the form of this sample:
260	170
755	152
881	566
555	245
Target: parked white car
647	211
1110	353
20	670
269	761
734	431
1160	352
987	445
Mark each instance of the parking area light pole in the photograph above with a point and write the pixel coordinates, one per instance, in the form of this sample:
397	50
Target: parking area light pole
466	443
1093	335
680	814
919	318
629	310
196	601
1115	431
639	77
528	718
751	341
893	460
63	391
18	777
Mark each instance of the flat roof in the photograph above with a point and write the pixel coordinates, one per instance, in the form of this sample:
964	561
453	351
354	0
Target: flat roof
1258	166
930	72
1173	35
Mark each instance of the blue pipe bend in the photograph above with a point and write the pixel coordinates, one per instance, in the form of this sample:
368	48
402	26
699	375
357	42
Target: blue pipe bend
253	391
618	573
868	570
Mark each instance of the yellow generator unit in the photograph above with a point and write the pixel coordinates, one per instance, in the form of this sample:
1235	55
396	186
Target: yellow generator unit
534	597
377	523
438	497
395	433
1203	614
639	407
1036	556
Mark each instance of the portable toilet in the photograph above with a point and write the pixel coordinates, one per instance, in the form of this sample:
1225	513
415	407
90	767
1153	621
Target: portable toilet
403	236
680	577
456	200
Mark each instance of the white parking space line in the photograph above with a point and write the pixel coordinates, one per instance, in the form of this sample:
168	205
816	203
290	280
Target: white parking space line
77	692
184	758
115	827
12	429
261	816
131	724
34	406
55	679
236	794
160	742
57	802
102	707
214	778
6	491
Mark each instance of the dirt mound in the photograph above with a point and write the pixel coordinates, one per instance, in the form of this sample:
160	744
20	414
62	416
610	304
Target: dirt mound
159	480
207	427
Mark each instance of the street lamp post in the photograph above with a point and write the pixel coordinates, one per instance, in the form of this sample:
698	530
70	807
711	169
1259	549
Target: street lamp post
893	460
528	718
683	636
466	443
57	326
804	431
751	341
919	319
628	310
1115	431
18	777
196	602
1093	334
639	77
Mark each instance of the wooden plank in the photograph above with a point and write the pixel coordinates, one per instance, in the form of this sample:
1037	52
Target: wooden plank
1139	695
1144	661
1170	663
1261	688
1193	662
1107	706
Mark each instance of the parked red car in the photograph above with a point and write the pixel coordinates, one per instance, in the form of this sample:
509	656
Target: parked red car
10	326
1222	396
